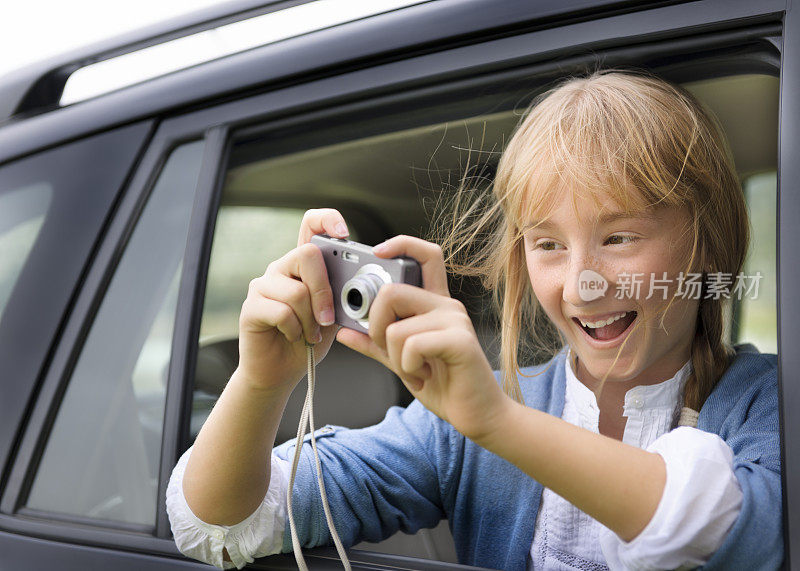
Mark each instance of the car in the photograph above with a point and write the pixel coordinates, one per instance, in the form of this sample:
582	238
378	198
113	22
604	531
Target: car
133	218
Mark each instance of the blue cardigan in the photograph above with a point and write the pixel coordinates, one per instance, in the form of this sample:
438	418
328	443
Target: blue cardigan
413	469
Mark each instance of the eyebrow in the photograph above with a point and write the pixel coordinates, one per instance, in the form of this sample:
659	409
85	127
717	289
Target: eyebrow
604	219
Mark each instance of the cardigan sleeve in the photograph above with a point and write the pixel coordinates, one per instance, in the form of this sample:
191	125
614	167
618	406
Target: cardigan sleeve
379	480
752	430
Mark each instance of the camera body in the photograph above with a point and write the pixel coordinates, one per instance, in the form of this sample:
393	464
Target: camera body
356	275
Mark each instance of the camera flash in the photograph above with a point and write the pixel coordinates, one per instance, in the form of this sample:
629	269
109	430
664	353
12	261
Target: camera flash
350	257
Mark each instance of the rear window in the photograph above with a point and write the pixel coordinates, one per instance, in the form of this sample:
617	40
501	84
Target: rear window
52	209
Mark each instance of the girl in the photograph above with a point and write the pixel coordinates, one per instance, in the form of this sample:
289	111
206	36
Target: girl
574	464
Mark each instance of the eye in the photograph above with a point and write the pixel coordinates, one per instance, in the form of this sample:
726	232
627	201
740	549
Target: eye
547	245
619	239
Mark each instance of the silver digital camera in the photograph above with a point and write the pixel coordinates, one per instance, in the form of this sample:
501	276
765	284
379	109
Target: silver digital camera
356	275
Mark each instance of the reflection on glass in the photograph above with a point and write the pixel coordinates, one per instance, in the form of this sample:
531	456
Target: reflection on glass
22	213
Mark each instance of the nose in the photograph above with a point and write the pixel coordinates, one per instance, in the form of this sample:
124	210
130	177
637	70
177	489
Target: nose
584	280
571	288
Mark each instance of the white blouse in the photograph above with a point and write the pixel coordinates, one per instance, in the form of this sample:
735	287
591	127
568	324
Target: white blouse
699	506
259	535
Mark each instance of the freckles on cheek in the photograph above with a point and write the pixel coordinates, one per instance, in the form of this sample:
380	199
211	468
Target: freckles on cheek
546	284
546	288
535	275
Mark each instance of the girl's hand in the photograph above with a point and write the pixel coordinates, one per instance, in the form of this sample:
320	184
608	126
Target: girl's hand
285	307
433	347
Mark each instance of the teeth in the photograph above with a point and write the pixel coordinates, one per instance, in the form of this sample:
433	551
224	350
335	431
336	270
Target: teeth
603	323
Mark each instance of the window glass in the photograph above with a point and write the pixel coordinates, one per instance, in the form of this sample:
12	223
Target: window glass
758	315
104	448
22	213
53	207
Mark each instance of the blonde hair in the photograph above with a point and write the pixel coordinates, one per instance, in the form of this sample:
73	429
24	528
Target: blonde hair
630	136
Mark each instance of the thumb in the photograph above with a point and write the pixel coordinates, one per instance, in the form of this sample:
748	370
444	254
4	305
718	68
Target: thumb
362	343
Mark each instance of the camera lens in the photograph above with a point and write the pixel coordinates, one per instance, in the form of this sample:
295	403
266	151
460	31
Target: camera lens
355	299
360	291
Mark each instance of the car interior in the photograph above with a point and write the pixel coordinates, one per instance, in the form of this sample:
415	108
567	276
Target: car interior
387	182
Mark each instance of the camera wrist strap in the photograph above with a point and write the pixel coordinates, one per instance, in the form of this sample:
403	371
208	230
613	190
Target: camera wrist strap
306	417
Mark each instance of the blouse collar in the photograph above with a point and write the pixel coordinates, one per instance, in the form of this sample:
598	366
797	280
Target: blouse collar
667	394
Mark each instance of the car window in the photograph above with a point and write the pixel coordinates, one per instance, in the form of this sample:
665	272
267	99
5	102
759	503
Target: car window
105	444
53	207
758	308
22	213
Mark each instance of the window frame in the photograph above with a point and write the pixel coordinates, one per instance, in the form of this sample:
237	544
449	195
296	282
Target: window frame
788	272
189	312
427	78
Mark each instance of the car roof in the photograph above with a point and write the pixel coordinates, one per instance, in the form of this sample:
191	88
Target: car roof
31	96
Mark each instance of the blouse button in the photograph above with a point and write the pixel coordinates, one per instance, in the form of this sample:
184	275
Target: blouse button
637	402
218	534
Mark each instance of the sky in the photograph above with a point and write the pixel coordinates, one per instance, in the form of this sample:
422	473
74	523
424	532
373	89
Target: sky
34	30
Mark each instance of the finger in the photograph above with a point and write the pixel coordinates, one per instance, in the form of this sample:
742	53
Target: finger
399	301
428	254
428	346
322	221
398	332
361	343
292	293
307	264
261	313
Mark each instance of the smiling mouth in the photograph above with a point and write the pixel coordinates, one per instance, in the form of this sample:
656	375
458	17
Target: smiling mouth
611	331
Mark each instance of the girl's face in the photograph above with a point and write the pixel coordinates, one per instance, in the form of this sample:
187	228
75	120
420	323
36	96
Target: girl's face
623	250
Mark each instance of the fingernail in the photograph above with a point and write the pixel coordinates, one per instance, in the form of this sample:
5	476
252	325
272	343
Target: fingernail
326	317
378	248
341	229
318	337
